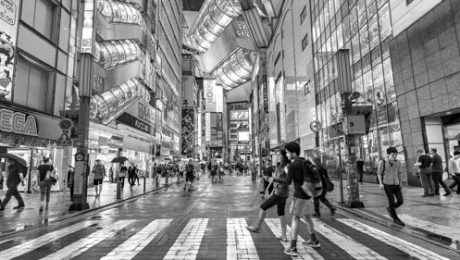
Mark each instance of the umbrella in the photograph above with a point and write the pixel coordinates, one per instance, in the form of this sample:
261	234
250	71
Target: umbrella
18	159
120	159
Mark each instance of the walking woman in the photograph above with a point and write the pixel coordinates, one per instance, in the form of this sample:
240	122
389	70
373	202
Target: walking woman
324	179
278	197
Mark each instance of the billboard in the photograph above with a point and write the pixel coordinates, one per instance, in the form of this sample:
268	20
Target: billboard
239	115
9	13
243	136
214	96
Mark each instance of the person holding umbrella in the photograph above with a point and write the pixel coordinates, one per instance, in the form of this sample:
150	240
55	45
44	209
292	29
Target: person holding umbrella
15	177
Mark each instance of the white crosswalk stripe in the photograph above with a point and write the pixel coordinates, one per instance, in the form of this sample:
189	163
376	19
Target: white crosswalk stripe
239	240
405	246
305	252
351	246
134	245
86	243
189	241
42	240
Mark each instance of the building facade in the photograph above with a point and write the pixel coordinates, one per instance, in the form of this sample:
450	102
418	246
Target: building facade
426	69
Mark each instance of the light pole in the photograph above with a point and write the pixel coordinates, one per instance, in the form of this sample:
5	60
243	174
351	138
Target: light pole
87	34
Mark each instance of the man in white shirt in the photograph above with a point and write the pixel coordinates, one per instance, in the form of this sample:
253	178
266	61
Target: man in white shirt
454	170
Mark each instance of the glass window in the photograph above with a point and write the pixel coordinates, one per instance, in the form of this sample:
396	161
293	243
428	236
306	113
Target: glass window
375	56
353	22
355	48
59	93
339	36
366	62
305	42
346	29
303	14
44	21
368	87
371	8
373	32
385	22
388	78
64	31
362	18
386	48
34	85
364	40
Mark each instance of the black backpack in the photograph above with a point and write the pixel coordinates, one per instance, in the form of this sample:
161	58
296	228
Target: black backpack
312	184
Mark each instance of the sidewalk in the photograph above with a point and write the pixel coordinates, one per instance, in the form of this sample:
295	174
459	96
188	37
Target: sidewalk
436	217
15	220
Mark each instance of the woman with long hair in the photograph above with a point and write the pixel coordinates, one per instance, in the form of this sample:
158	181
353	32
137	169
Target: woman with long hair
278	197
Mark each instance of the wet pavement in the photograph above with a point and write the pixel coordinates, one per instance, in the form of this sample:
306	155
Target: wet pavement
29	217
437	218
209	223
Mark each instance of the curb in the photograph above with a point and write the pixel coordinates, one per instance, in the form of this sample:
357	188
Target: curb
79	213
409	230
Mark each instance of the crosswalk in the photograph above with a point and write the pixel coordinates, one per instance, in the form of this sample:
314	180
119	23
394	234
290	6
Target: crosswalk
175	239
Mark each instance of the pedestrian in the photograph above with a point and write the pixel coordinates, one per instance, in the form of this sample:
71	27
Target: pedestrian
301	205
189	175
360	167
70	180
437	171
267	172
99	173
122	174
47	176
278	197
214	169
15	177
454	170
133	175
424	164
111	174
389	174
322	197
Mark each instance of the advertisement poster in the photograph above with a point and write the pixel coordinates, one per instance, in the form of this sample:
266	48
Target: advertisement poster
9	14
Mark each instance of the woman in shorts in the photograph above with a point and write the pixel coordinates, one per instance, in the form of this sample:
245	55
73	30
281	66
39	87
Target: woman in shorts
278	197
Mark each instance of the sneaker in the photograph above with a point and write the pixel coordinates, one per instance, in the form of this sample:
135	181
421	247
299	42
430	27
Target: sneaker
292	251
397	221
314	244
19	207
316	215
252	229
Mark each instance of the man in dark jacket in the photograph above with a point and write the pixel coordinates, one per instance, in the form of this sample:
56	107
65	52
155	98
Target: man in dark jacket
301	205
437	171
15	177
424	163
324	179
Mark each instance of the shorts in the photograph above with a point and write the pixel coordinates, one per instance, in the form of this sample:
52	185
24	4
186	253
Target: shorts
301	207
273	200
97	182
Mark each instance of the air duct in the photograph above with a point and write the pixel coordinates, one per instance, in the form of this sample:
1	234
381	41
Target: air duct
237	69
214	17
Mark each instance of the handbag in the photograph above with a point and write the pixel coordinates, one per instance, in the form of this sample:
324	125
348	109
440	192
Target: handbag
329	185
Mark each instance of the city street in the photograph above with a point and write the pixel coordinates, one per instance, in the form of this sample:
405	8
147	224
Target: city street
208	223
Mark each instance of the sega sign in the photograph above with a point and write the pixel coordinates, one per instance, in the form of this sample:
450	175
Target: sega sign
17	122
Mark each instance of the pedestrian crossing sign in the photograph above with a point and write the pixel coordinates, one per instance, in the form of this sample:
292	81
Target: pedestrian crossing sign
64	140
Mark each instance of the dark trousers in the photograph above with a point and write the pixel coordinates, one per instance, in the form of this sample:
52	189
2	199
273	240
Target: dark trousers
12	191
71	191
456	182
121	180
393	192
437	179
323	199
361	173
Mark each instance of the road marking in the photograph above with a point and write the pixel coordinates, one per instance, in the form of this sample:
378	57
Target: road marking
136	243
42	240
239	240
348	244
405	246
446	231
304	251
189	241
82	245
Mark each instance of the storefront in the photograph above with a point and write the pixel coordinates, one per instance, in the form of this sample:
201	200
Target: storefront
31	136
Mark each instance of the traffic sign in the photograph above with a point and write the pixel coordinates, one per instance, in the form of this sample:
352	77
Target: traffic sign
64	140
65	124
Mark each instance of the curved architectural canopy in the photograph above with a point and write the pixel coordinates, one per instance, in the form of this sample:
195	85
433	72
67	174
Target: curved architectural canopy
112	53
119	12
237	69
106	105
214	17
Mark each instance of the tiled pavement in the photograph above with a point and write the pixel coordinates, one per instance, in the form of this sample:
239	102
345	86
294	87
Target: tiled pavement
208	223
13	220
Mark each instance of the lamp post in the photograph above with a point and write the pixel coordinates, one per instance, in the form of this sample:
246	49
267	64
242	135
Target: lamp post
87	37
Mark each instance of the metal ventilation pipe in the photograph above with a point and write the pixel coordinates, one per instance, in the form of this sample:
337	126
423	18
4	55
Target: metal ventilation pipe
213	19
237	68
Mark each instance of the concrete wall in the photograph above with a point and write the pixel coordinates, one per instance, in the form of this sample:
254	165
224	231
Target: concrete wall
404	15
426	71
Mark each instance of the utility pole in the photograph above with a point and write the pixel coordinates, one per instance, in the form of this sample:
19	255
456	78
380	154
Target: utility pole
87	40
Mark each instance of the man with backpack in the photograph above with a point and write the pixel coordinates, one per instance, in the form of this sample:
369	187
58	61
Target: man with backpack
301	205
389	174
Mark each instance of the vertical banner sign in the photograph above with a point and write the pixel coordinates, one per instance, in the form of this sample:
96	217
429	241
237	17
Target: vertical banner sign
210	99
87	33
208	127
9	14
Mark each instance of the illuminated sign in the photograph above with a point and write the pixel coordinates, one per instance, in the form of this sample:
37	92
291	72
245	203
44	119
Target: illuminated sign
240	115
17	122
87	33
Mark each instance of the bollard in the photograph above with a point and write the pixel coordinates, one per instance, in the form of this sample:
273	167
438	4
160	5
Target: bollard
118	189
166	180
145	182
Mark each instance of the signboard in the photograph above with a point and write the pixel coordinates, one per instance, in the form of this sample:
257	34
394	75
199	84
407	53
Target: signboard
18	122
239	115
9	13
87	33
64	140
130	120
